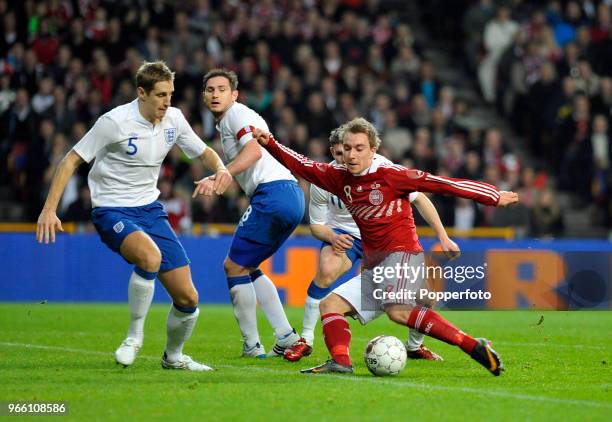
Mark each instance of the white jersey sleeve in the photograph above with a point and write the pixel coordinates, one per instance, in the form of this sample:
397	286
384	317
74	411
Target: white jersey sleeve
241	125
412	196
236	129
101	134
187	140
129	151
318	205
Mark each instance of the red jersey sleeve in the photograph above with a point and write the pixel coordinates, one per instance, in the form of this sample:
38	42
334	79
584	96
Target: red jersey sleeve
409	180
326	176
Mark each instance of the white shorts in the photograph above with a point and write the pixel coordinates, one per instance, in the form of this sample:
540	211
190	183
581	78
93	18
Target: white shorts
373	289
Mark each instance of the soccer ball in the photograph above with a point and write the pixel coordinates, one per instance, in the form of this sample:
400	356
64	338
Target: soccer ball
385	355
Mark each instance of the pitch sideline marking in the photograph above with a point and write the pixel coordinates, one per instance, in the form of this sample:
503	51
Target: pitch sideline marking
503	394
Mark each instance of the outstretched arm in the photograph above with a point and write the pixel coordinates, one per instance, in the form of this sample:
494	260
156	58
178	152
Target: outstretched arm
410	180
323	175
48	220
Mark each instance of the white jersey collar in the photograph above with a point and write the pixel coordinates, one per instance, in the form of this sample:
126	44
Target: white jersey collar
218	122
135	114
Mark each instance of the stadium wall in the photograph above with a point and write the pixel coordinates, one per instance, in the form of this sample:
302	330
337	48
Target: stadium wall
560	274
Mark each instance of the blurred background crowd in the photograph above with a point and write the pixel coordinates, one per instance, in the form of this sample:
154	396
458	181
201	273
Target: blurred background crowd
515	93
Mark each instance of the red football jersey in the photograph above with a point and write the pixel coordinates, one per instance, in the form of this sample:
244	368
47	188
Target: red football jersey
378	200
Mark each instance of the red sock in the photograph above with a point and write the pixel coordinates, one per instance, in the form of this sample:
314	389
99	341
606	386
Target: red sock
428	321
337	337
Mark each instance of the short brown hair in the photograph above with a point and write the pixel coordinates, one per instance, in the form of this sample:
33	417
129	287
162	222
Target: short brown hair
150	73
228	74
361	125
335	137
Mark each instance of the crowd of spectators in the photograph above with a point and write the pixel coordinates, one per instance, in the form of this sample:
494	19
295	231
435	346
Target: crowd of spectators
306	67
548	68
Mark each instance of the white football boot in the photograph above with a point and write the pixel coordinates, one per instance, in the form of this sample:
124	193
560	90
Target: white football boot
184	362
281	344
255	351
127	351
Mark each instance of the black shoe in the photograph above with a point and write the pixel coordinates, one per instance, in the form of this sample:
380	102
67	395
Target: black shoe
484	354
331	366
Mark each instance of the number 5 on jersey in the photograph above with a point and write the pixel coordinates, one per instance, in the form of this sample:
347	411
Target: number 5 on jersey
132	148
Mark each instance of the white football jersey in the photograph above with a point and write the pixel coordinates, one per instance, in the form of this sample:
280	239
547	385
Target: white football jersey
129	152
327	209
235	128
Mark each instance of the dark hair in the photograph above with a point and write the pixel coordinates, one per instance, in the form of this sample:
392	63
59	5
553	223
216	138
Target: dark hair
335	137
228	74
150	73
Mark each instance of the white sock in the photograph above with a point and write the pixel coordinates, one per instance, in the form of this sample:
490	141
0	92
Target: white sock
415	339
311	316
245	311
140	295
271	306
178	330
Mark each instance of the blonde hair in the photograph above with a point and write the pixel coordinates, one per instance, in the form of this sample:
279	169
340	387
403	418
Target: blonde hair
361	125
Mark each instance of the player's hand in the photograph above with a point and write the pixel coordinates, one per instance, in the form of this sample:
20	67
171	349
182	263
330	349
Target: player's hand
261	136
222	178
205	186
450	248
507	198
46	226
342	243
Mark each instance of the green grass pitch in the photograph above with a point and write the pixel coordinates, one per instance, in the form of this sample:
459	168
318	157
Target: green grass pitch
558	368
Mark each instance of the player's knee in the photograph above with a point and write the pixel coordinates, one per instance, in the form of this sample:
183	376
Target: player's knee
324	307
230	267
150	260
393	316
324	280
188	299
399	316
329	305
227	266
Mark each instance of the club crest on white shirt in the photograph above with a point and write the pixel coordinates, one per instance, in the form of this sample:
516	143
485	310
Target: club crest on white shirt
170	135
376	197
